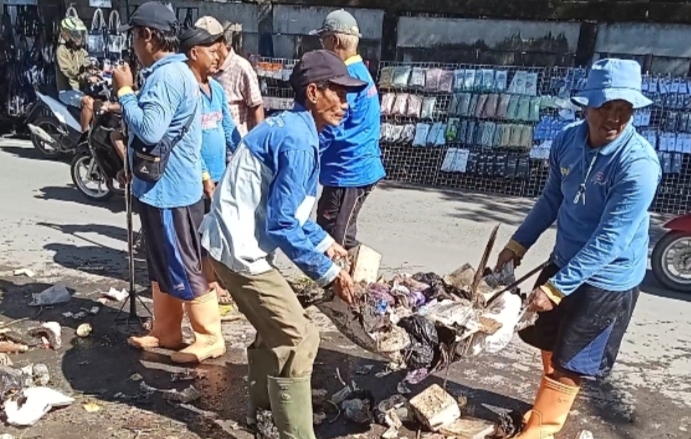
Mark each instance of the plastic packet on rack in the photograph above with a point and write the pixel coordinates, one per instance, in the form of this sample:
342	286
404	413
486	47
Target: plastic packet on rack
452	129
464	104
500	80
449	158
473	104
460	163
480	107
503	106
440	138
396	133
505	141
458	78
437	127
518	82
470	133
515	139
531	84
432	80
534	111
498	132
386	131
526	136
488	80
453	105
414	106
446	81
523	111
408	133
386	77
417	78
387	101
469	80
490	110
429	105
512	109
421	132
400	105
511	163
401	75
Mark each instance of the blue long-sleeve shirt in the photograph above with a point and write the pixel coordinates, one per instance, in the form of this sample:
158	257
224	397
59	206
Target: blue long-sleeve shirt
219	134
351	156
602	238
265	198
165	103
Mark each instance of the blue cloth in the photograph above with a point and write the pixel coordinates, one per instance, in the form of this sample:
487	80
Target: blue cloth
166	101
219	134
612	79
602	239
350	153
72	98
265	198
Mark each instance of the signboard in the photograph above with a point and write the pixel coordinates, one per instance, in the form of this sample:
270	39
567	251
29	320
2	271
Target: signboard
101	3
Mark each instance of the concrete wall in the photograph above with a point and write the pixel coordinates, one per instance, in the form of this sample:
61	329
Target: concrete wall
486	41
665	42
246	14
292	25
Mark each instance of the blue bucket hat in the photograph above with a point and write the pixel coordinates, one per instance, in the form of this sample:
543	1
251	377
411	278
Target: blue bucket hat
612	79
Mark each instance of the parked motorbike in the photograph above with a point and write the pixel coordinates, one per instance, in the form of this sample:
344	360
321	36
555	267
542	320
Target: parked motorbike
55	127
671	257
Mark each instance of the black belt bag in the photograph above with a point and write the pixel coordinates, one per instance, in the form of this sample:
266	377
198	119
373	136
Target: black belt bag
149	161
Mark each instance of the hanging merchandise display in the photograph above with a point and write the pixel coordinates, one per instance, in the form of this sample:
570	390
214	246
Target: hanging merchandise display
116	41
96	39
273	75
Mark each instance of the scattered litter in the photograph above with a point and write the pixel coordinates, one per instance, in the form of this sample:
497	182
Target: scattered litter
11	380
318	418
76	316
54	295
24	272
365	370
94	310
51	331
9	347
5	360
32	404
359	408
6	436
84	330
585	434
92	407
40	374
117	295
186	375
402	388
136	378
468	428
266	429
185	396
434	408
392	413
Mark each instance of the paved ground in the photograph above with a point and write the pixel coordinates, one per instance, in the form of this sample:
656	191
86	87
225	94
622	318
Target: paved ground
48	227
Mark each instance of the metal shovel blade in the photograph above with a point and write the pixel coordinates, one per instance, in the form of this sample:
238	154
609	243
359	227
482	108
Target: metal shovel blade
41	134
479	274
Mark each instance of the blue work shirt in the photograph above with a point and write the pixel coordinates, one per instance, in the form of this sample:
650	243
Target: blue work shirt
168	98
602	238
219	134
265	198
350	153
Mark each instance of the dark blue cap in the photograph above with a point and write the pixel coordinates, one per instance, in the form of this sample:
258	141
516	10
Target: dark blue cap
153	15
322	66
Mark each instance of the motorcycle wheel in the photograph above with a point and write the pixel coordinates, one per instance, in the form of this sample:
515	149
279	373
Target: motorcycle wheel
671	261
82	162
48	125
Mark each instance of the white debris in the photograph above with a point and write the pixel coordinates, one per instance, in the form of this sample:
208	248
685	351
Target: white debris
84	330
24	272
51	296
37	402
585	434
6	436
117	295
506	311
435	408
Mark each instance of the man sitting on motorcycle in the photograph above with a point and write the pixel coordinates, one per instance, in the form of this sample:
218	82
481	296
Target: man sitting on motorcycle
72	69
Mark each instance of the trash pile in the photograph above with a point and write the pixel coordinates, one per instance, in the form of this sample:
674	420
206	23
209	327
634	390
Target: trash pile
424	322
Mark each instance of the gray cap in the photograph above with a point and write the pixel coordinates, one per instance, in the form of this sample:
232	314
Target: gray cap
339	22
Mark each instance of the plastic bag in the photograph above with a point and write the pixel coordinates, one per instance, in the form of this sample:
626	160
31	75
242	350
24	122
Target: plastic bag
424	341
401	75
526	136
95	40
518	82
385	133
458	78
531	84
408	134
414	106
488	80
446	81
432	80
500	80
117	41
523	110
433	133
421	132
512	110
480	107
387	101
503	106
452	129
429	105
386	77
396	133
440	138
417	78
464	104
469	80
449	158
515	139
490	109
400	105
473	104
534	112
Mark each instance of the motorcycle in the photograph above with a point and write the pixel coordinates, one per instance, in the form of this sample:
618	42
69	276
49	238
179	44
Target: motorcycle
55	127
671	257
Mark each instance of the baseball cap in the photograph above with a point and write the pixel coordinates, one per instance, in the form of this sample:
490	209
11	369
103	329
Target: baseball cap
210	24
339	22
153	15
196	36
322	66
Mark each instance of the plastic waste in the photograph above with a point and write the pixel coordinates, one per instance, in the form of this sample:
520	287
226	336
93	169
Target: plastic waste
34	403
51	296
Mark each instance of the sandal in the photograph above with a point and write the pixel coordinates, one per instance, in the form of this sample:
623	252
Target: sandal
224	298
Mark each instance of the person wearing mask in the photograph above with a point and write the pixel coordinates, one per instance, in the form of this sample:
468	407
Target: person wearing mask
350	155
218	129
71	61
239	80
262	204
168	186
603	177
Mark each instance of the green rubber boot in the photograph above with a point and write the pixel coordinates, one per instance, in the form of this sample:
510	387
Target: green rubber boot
261	364
291	407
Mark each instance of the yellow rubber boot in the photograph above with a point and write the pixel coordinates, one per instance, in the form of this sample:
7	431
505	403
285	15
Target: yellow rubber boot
166	330
205	319
547	363
552	406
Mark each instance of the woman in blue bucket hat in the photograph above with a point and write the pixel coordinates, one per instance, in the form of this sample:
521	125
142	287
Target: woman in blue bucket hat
602	180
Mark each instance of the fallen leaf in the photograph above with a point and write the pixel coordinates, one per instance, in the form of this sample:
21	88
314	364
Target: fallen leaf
92	407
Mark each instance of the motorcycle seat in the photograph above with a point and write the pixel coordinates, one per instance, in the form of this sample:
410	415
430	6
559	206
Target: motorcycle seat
75	112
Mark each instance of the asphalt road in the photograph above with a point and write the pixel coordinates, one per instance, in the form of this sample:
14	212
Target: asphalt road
48	227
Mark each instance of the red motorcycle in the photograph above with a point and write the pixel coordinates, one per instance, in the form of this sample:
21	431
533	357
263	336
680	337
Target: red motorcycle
671	258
